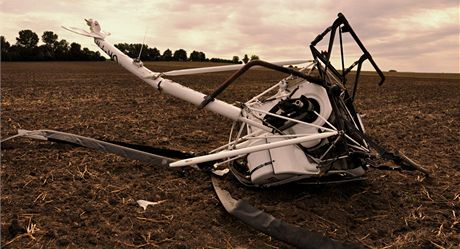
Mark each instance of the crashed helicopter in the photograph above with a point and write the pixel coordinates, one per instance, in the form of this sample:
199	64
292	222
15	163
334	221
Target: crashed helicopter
308	131
303	129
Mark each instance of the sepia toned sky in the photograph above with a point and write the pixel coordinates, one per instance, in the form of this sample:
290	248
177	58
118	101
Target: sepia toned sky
405	35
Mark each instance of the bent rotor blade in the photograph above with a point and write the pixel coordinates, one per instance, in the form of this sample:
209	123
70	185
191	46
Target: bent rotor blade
225	68
130	153
281	230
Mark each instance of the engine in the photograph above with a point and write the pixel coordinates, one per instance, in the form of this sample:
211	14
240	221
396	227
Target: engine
298	108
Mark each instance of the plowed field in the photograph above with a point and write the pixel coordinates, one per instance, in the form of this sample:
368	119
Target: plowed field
73	197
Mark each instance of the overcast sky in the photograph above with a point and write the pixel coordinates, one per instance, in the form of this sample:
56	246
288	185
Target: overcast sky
417	36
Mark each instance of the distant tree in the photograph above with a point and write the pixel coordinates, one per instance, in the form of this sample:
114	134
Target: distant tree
89	55
134	50
27	39
245	59
97	56
49	38
180	55
86	54
61	50
254	57
47	50
203	56
221	60
4	46
392	71
236	59
26	45
197	56
167	55
153	54
75	52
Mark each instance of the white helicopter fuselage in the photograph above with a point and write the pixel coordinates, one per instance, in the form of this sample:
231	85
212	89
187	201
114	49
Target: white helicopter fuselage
272	157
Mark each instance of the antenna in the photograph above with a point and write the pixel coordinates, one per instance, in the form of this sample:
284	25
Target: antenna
138	59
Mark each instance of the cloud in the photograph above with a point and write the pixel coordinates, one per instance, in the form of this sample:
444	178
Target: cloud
403	34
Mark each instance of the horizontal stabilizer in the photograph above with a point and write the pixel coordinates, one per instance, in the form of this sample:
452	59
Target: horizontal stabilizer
84	32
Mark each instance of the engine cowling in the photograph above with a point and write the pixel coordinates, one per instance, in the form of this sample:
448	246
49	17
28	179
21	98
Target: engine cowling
301	101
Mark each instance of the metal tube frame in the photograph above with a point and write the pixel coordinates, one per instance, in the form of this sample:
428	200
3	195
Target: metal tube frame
342	24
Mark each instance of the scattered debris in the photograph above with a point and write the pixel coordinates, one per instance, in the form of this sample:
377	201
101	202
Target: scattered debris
144	203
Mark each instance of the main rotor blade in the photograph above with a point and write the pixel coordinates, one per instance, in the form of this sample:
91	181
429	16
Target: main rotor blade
56	136
277	228
225	68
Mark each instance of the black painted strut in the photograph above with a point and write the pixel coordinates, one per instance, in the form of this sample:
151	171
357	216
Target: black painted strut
246	67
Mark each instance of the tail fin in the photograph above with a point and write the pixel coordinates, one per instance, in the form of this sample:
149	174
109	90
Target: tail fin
94	27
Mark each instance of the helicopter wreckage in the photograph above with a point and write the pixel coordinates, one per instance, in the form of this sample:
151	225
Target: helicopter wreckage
303	129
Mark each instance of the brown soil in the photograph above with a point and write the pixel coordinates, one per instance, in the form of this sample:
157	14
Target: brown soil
80	198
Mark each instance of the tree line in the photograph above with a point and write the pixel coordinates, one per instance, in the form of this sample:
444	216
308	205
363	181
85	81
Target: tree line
26	48
144	53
